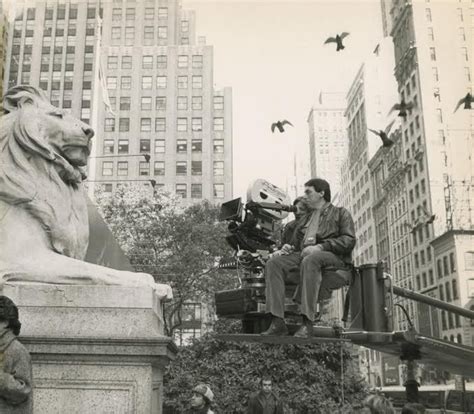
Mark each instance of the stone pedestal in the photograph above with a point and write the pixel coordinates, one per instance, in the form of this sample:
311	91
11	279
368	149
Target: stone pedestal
95	349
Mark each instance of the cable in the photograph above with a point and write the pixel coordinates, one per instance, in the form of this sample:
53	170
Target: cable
406	314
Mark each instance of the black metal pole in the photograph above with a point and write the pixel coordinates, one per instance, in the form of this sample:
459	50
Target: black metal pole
409	294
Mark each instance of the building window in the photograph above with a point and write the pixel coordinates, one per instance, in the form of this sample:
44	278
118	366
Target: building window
148	35
109	145
181	190
182	103
149	13
218	146
116	33
432	54
469	260
464	53
129	36
147	62
183	61
145	124
467	73
462	34
218	103
162	32
439	268
130	13
182	124
428	15
197	103
182	82
159	168
112	62
147	82
197	61
455	289
125	103
159	146
196	124
124	124
126	62
448	292
111	82
181	146
430	33
123	146
460	15
196	190
116	14
435	74
181	168
196	168
107	168
184	26
439	115
218	124
161	81
160	124
218	168
452	262
163	13
218	190
160	103
445	265
443	320
161	61
185	40
144	146
146	103
122	168
196	145
143	168
197	82
109	125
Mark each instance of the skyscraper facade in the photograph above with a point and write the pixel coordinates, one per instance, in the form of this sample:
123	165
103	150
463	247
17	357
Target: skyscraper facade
167	126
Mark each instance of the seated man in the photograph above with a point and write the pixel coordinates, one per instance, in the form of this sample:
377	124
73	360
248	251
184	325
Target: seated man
324	238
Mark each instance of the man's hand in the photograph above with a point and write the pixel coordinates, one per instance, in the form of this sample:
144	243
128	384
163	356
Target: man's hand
311	249
287	249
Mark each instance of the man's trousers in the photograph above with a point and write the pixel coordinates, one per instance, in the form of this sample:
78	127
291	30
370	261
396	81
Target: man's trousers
284	269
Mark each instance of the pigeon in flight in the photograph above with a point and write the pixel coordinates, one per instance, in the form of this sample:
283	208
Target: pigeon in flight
280	125
337	40
402	107
467	100
386	141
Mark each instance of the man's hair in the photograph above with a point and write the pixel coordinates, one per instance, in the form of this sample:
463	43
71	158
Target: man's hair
378	404
9	313
320	185
265	378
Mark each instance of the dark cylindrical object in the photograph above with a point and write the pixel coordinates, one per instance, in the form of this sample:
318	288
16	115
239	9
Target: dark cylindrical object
373	297
357	311
409	294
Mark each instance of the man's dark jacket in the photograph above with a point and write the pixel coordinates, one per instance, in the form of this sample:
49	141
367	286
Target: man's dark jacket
336	232
257	401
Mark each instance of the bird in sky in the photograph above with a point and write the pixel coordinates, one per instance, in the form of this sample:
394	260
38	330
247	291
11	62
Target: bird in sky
337	40
280	125
386	141
467	100
402	107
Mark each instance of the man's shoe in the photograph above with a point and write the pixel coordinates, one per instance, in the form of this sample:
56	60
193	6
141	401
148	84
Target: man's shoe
277	327
304	331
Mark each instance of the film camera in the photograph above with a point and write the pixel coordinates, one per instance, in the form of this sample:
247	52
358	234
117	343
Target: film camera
254	230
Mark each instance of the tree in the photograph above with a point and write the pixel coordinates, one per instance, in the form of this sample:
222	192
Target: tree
306	377
178	246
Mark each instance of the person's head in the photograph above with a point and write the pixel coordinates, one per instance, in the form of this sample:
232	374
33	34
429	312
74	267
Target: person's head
266	383
202	396
317	191
9	315
413	408
301	206
377	404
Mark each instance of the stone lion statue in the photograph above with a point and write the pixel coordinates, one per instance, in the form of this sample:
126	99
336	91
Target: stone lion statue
44	230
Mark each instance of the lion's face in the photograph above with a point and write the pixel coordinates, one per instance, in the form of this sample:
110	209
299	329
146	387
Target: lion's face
70	137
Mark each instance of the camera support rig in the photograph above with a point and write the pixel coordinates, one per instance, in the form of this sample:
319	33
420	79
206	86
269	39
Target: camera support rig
369	305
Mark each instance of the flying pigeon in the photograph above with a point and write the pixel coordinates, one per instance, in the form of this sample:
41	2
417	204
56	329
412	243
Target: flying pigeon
430	217
402	108
280	124
386	141
337	40
467	100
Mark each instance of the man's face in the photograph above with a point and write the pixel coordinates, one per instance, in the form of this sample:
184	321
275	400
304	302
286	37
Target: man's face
197	400
313	198
301	209
266	386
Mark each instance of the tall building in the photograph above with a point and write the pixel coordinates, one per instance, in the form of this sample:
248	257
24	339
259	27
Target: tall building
167	126
370	97
5	9
433	50
327	137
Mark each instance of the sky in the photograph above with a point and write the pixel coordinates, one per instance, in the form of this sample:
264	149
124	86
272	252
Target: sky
272	54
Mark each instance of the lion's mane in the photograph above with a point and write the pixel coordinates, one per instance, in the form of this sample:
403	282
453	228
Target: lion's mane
34	177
